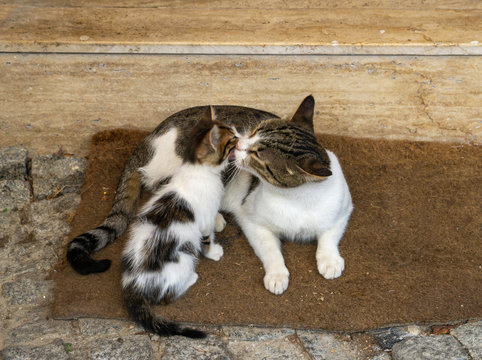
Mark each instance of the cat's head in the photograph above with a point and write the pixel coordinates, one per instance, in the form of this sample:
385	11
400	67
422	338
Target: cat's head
211	141
285	153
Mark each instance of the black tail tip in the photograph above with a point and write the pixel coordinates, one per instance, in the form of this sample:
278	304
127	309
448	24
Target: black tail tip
193	334
84	264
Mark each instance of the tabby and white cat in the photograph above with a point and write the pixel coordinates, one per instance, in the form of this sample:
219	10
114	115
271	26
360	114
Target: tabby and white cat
152	164
289	187
292	189
159	260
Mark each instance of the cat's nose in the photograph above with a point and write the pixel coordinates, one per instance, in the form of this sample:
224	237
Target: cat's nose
240	146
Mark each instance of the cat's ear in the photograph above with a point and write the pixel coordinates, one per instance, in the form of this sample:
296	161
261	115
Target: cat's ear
214	137
313	167
304	114
209	115
214	134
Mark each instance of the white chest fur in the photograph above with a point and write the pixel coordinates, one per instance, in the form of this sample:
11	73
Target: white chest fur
304	211
314	210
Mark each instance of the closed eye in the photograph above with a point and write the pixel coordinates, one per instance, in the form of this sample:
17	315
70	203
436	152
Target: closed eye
256	151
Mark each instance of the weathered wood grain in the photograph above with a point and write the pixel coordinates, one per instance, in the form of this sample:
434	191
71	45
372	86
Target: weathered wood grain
61	100
216	29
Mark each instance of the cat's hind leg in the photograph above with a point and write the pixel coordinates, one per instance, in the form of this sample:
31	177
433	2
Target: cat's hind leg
219	223
211	250
330	263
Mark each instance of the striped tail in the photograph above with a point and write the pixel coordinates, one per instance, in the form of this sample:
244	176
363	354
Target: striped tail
142	313
125	205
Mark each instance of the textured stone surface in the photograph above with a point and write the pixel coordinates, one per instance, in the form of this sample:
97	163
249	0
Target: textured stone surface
234	27
9	228
54	350
95	327
14	194
390	336
470	335
62	207
282	349
381	356
52	174
211	348
27	291
327	346
35	234
404	97
121	349
434	347
28	257
253	333
13	163
38	329
48	219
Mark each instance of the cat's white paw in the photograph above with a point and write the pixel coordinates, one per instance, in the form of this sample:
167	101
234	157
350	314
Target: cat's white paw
219	223
330	267
215	252
277	282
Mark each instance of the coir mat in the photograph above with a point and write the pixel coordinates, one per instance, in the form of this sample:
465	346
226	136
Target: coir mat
412	248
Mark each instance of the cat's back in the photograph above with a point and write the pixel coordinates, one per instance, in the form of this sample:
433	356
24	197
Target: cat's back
240	117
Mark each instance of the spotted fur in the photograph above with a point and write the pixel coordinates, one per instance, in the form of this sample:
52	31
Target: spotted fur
159	260
151	165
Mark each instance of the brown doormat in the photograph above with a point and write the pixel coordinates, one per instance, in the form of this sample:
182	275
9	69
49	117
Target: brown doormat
412	248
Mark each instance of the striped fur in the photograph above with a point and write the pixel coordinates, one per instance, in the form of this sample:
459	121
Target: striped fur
122	211
300	194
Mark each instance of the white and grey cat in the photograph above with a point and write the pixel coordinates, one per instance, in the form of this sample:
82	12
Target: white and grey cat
159	260
290	188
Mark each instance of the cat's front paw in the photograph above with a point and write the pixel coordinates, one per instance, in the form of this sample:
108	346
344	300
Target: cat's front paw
219	223
330	267
277	282
215	252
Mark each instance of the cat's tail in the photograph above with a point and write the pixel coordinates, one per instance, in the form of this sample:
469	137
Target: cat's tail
123	209
143	314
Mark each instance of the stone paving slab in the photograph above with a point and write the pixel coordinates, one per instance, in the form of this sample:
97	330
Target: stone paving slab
54	350
14	194
470	336
434	347
390	336
52	174
31	239
13	163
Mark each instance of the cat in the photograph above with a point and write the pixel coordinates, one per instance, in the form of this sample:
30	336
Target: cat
150	165
291	188
288	170
159	260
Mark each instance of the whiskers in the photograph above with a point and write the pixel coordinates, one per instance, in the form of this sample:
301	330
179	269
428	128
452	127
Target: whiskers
232	170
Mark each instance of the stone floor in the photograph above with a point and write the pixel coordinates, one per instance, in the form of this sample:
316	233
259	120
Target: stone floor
38	198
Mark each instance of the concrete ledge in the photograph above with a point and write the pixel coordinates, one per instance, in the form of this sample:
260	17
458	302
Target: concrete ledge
357	29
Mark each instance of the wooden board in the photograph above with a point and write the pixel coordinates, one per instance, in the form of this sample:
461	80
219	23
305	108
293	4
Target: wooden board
61	100
215	27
